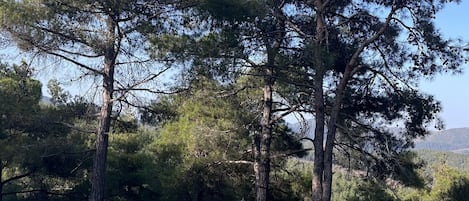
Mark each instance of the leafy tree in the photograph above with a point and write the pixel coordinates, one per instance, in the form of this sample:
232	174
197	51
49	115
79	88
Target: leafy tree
59	96
358	67
353	65
245	38
205	146
39	153
348	64
320	54
133	169
350	185
448	184
19	97
104	39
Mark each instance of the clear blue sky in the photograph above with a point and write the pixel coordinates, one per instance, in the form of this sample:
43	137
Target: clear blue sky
453	90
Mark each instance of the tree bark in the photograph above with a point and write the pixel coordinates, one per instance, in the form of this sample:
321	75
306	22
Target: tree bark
99	165
318	166
337	105
319	104
1	180
331	133
262	140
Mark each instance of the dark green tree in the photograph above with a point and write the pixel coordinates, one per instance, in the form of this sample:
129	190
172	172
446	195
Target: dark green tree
39	152
359	68
211	138
19	98
207	143
352	67
245	38
59	96
104	40
133	170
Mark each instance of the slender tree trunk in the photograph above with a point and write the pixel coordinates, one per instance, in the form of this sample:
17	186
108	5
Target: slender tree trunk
318	141
1	180
262	141
319	104
337	105
99	166
331	133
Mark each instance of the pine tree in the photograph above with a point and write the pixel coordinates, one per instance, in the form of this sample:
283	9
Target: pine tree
104	40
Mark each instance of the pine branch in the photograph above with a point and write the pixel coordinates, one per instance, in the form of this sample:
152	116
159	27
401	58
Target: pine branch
74	127
18	177
36	191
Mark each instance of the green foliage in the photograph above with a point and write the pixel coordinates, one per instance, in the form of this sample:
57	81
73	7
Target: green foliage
132	169
408	171
442	183
448	184
203	147
125	124
39	153
59	96
233	10
19	95
159	113
199	144
351	185
292	181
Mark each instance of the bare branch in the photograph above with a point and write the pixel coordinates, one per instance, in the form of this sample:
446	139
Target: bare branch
65	36
292	153
18	177
125	90
37	190
233	162
223	94
353	60
80	54
72	61
284	114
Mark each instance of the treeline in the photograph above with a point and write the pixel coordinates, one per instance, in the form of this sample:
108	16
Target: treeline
456	160
193	93
438	176
188	146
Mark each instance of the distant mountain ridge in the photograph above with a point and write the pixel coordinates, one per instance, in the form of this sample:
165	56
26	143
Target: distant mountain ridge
453	140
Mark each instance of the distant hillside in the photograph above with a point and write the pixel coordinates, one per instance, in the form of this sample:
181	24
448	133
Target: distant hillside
449	146
453	140
456	160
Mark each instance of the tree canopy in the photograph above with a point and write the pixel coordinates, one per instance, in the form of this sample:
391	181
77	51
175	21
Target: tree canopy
240	68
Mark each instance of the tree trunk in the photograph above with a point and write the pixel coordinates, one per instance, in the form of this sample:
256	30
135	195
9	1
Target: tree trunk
318	141
1	180
318	187
262	141
331	132
99	166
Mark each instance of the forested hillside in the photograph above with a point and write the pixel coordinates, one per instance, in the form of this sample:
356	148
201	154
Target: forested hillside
454	140
187	100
